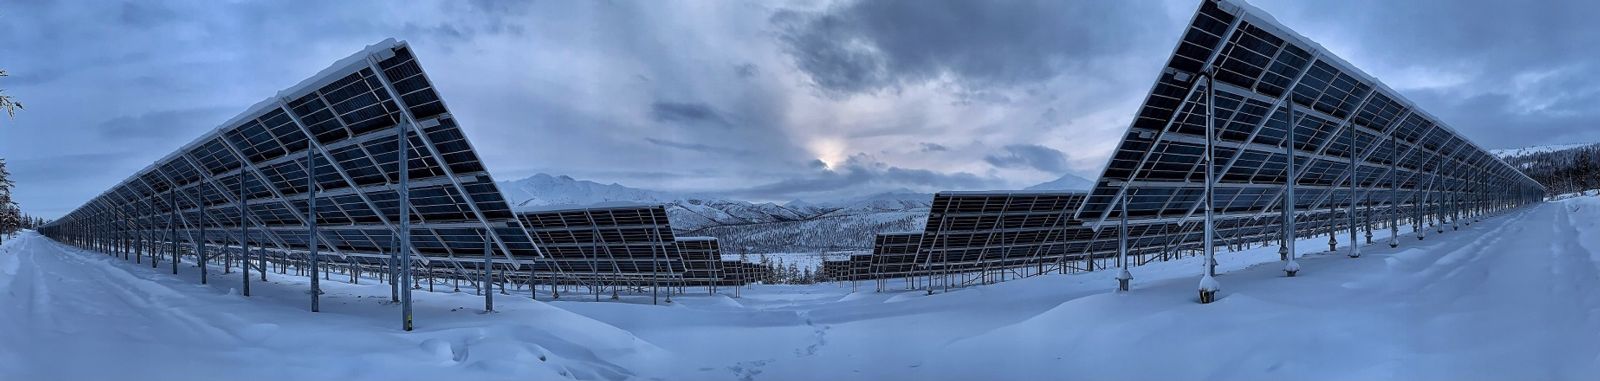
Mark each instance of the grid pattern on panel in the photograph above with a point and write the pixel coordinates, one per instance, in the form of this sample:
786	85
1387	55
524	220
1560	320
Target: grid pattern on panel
835	270
894	255
624	243
248	181
979	230
1339	116
702	260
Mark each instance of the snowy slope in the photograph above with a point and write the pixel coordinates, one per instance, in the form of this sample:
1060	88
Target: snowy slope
1508	298
1509	153
61	306
796	226
547	190
1066	182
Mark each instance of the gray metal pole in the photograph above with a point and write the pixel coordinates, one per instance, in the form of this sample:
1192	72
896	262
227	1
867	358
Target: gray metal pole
311	223
1422	208
244	234
488	270
1350	209
1208	283
200	245
404	249
172	227
1438	209
391	267
1293	266
1394	192
1123	277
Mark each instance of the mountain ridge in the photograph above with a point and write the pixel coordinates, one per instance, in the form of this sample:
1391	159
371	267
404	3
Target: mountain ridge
753	227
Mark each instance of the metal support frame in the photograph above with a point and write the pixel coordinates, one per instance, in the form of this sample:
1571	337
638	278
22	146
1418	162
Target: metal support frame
1292	266
488	271
1124	276
1208	283
1350	209
311	228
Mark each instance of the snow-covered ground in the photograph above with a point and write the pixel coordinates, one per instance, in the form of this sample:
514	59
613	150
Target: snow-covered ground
1512	297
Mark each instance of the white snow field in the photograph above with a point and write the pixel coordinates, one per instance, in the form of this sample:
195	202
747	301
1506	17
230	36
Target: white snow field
1513	297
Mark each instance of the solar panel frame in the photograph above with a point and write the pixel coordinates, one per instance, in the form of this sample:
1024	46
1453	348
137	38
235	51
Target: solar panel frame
1327	96
606	243
455	205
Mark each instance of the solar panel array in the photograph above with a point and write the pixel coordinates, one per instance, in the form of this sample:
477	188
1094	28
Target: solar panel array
702	261
894	255
628	245
981	230
1409	167
248	184
351	117
1340	114
1364	155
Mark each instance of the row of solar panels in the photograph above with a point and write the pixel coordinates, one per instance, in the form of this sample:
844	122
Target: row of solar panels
976	231
1263	72
1363	155
249	182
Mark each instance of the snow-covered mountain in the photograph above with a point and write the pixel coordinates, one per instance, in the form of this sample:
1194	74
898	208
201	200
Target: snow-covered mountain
1509	153
798	226
1066	182
795	226
547	190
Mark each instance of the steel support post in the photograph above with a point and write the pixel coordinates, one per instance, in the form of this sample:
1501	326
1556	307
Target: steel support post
244	237
1439	215
488	271
200	247
1350	208
1123	277
172	227
311	227
1292	267
404	249
1208	283
391	268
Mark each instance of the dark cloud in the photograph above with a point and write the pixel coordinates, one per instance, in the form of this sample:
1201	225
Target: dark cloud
54	185
1033	156
872	45
883	76
1495	61
144	14
698	147
858	174
163	124
746	70
686	112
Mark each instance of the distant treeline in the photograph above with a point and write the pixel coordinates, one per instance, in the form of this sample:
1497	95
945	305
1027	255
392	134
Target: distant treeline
1565	171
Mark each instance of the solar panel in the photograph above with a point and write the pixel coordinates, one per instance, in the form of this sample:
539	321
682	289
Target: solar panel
248	182
994	230
1407	162
860	267
894	255
616	245
1407	167
1340	113
347	115
702	261
834	270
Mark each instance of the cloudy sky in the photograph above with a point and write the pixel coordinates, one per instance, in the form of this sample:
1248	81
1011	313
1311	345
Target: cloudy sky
751	99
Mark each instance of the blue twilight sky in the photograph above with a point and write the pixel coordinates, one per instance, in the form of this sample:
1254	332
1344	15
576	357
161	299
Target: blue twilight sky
751	99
